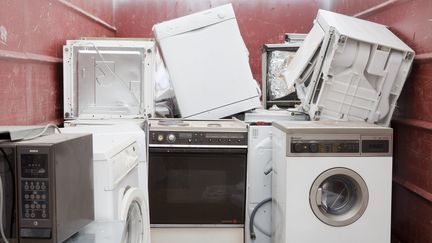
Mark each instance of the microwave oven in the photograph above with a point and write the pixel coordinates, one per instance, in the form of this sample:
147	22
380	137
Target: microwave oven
47	186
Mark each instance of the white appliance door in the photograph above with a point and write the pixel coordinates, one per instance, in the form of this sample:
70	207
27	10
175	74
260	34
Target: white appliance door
209	68
134	211
339	197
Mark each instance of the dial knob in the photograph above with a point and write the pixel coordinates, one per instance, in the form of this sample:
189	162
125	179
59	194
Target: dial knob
313	147
171	138
160	138
298	148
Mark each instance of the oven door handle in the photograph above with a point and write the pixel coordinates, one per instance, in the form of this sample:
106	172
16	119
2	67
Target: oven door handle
198	150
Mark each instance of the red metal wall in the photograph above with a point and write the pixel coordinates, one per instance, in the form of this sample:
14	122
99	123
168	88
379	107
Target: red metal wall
264	21
32	34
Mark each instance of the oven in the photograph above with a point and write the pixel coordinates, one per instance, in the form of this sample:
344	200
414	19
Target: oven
197	186
197	179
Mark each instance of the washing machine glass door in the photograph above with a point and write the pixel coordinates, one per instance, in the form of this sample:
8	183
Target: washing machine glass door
134	228
339	197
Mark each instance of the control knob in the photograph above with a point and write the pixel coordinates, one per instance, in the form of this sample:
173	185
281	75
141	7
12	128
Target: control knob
298	148
171	138
313	147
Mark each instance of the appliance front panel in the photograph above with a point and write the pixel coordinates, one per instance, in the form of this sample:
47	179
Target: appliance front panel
197	186
299	218
35	192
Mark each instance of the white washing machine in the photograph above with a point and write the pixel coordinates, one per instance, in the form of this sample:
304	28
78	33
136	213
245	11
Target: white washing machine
117	127
118	196
331	182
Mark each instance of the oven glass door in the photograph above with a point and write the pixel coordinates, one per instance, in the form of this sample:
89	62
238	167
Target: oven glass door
197	186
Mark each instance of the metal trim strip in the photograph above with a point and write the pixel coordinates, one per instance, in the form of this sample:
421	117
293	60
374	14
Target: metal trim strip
195	146
88	15
413	188
196	225
376	8
27	56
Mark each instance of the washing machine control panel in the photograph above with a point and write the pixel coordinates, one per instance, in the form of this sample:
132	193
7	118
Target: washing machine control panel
325	146
364	146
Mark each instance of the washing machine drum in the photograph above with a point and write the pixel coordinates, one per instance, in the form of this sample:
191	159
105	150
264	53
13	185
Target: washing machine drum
134	212
339	197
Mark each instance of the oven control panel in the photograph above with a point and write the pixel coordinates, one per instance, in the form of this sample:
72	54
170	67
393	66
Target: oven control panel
197	138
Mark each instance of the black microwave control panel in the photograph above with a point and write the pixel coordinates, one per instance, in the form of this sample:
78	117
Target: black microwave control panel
34	187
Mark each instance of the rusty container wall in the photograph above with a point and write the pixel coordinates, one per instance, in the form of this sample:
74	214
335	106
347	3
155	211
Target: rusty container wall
32	34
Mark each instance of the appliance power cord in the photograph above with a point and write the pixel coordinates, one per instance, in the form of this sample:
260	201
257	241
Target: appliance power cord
42	133
252	217
1	212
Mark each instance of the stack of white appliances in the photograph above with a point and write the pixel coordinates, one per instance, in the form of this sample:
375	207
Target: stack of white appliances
109	92
332	178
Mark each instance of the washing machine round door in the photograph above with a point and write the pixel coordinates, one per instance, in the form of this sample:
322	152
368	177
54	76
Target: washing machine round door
134	212
339	197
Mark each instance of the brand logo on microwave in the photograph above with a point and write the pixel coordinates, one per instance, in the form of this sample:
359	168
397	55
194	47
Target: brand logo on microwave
34	151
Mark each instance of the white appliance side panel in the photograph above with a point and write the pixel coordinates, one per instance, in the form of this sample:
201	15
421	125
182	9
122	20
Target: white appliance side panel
259	184
303	56
197	235
143	176
360	29
279	189
229	110
259	161
68	82
300	221
210	70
